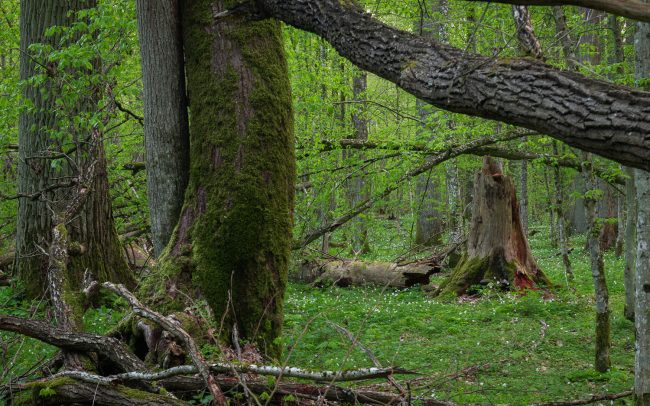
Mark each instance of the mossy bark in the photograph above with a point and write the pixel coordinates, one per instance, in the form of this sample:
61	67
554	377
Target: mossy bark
233	238
497	248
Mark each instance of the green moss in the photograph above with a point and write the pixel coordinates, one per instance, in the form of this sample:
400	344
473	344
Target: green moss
468	272
240	194
35	391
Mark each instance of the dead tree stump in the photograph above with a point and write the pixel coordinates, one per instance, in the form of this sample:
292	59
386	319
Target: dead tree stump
497	248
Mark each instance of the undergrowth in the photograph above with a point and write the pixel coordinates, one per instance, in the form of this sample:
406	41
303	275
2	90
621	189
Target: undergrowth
501	348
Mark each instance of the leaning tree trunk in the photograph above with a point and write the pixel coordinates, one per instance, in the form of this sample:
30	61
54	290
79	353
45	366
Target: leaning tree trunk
497	248
166	132
93	227
233	238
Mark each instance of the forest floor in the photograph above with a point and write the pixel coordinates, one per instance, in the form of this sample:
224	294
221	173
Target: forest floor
502	348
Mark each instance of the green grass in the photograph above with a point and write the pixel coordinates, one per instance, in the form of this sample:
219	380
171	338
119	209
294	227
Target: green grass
498	339
493	350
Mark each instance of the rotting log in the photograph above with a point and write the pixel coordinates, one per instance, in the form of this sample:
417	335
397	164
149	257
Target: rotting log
359	273
497	248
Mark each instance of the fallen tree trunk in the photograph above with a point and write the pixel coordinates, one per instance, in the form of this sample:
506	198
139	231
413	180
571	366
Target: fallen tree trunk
358	273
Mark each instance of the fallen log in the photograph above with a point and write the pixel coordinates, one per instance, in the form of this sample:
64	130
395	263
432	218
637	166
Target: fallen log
358	273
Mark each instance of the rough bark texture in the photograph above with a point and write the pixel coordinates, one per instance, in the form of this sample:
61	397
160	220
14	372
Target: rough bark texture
497	248
166	132
233	238
358	273
93	227
603	341
592	115
634	9
642	280
528	42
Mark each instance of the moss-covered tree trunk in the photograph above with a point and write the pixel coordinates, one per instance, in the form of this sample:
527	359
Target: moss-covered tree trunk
497	248
38	174
233	238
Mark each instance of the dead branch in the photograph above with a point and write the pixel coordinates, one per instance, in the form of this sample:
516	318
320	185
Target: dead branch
177	332
109	348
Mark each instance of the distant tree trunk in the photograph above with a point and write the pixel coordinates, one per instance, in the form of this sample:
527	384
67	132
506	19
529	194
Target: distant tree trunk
529	45
620	225
93	228
630	243
551	212
642	280
608	212
429	223
233	238
497	248
564	36
603	342
357	184
576	216
166	132
559	209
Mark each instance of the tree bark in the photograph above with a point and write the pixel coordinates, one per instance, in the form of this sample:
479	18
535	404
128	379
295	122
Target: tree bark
634	9
357	273
592	115
630	244
233	238
497	248
93	227
642	279
166	132
603	341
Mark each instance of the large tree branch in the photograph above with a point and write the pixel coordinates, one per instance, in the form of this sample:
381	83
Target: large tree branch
107	347
633	9
610	120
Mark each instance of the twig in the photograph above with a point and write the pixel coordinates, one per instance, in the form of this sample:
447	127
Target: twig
178	333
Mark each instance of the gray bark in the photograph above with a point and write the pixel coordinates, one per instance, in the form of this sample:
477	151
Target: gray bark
602	360
93	227
642	280
166	132
630	244
589	114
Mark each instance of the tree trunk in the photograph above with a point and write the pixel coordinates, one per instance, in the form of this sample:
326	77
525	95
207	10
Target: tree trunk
559	210
358	187
497	248
603	342
642	280
550	203
429	223
608	213
166	132
93	228
357	273
233	238
630	243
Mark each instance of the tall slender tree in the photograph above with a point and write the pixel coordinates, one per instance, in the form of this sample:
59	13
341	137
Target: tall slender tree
166	132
